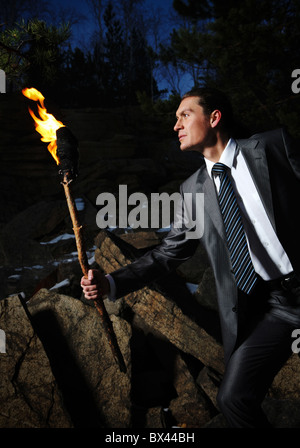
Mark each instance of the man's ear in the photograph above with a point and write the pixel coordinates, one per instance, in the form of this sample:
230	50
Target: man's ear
215	118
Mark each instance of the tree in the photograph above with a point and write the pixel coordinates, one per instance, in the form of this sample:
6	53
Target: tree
45	54
78	82
246	48
122	57
32	53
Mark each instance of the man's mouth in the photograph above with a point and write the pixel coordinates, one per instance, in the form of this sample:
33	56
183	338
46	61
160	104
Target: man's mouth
181	137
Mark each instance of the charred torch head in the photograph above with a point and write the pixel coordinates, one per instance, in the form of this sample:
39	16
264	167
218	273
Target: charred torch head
67	153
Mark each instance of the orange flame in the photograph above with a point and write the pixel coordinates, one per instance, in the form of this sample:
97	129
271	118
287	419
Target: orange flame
47	124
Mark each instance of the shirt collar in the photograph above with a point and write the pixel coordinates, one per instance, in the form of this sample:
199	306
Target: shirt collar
227	156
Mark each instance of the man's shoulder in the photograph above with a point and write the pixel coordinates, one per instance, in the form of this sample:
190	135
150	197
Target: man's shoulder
267	138
268	135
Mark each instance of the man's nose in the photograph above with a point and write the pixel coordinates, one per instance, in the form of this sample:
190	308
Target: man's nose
178	125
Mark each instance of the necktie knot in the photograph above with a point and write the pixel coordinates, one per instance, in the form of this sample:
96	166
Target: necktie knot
219	168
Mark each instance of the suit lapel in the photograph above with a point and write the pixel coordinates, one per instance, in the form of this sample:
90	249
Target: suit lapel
211	203
255	156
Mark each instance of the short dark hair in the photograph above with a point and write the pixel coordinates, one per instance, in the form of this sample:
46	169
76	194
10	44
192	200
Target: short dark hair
211	99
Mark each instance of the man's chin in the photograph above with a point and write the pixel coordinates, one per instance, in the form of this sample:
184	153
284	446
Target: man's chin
185	148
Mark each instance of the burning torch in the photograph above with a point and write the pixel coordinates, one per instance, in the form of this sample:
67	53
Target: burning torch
63	148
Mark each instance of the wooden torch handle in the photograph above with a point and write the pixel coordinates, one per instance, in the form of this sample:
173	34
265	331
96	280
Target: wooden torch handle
82	257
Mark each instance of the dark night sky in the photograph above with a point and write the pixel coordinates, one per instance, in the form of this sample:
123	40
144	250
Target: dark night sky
83	31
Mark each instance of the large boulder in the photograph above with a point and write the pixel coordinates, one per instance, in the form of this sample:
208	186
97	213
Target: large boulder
95	391
58	369
29	393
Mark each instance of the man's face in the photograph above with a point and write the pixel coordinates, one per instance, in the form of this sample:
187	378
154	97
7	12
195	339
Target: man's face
193	126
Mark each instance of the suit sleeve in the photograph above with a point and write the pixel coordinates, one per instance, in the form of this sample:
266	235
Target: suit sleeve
175	248
292	148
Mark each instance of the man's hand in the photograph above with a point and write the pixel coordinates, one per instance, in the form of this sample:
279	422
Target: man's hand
95	286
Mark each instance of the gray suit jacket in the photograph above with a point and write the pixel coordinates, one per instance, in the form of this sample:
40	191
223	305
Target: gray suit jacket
273	160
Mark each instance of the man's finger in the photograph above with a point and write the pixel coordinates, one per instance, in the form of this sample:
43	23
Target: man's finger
85	282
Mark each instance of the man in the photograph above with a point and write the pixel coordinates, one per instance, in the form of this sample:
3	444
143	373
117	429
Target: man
251	235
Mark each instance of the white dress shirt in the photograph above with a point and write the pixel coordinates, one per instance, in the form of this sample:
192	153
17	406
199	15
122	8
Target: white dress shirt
268	256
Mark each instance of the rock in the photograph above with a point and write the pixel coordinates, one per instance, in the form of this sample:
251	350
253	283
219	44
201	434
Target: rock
70	380
38	220
283	413
218	421
191	409
19	238
29	393
39	241
118	146
190	412
141	239
95	391
154	418
158	310
286	384
209	381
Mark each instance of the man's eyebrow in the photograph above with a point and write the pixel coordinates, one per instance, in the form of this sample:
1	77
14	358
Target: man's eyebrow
184	111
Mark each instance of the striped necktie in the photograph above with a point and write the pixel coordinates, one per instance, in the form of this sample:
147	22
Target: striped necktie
236	239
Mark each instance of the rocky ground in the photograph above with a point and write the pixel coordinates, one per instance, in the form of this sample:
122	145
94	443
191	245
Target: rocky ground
58	366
